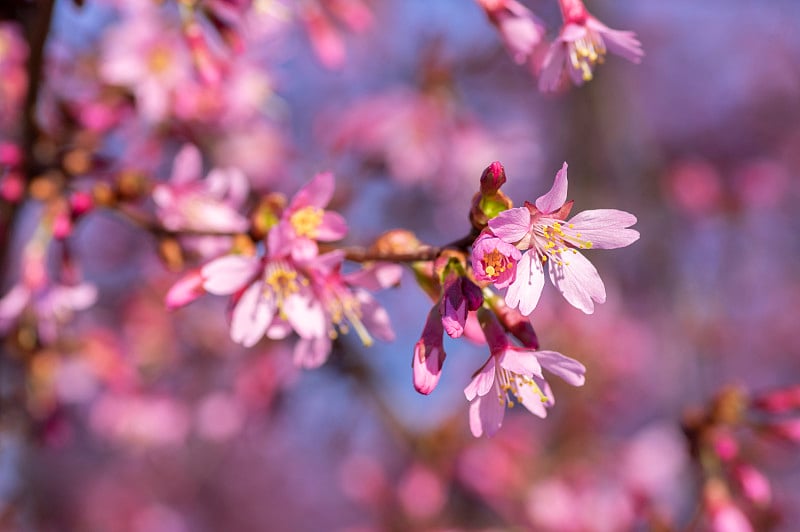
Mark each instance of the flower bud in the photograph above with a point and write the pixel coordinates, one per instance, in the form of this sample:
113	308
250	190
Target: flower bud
429	354
493	178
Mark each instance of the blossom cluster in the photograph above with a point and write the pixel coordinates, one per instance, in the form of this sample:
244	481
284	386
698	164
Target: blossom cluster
510	254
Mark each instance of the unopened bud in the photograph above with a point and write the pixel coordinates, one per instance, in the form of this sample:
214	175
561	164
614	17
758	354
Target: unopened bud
170	251
493	178
396	242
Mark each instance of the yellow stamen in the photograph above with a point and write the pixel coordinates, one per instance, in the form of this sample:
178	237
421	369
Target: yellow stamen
306	221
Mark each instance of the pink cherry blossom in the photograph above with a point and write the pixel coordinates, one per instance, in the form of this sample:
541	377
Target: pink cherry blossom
513	373
188	203
550	241
149	57
494	260
304	222
581	45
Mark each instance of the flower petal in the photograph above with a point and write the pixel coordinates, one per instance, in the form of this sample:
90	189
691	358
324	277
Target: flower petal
577	280
375	317
569	369
512	225
557	196
525	291
311	353
188	165
604	228
306	315
251	316
333	227
228	274
486	415
520	361
317	193
482	382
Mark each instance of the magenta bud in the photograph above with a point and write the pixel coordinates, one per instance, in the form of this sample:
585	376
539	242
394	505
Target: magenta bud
12	187
779	401
493	178
80	203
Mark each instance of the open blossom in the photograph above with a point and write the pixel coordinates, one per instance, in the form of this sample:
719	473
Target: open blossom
552	241
513	374
49	303
304	222
521	31
149	58
582	45
211	205
494	260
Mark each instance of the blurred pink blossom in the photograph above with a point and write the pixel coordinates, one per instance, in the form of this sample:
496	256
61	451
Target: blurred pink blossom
582	45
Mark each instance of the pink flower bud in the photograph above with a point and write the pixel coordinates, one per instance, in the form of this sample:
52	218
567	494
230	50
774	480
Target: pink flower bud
493	178
429	354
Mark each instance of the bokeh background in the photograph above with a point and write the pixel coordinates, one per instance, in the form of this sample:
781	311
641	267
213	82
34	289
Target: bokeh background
150	420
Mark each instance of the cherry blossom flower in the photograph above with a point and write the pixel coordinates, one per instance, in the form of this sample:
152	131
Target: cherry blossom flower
519	28
271	296
581	45
304	222
49	303
541	229
211	205
150	58
513	373
494	260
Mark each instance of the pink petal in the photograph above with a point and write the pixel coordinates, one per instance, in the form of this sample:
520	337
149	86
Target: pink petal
333	227
482	382
526	289
622	43
379	275
486	415
604	228
557	196
531	400
577	280
512	225
306	315
229	274
317	193
569	369
521	362
304	250
188	165
251	316
311	353
375	317
550	74
12	304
